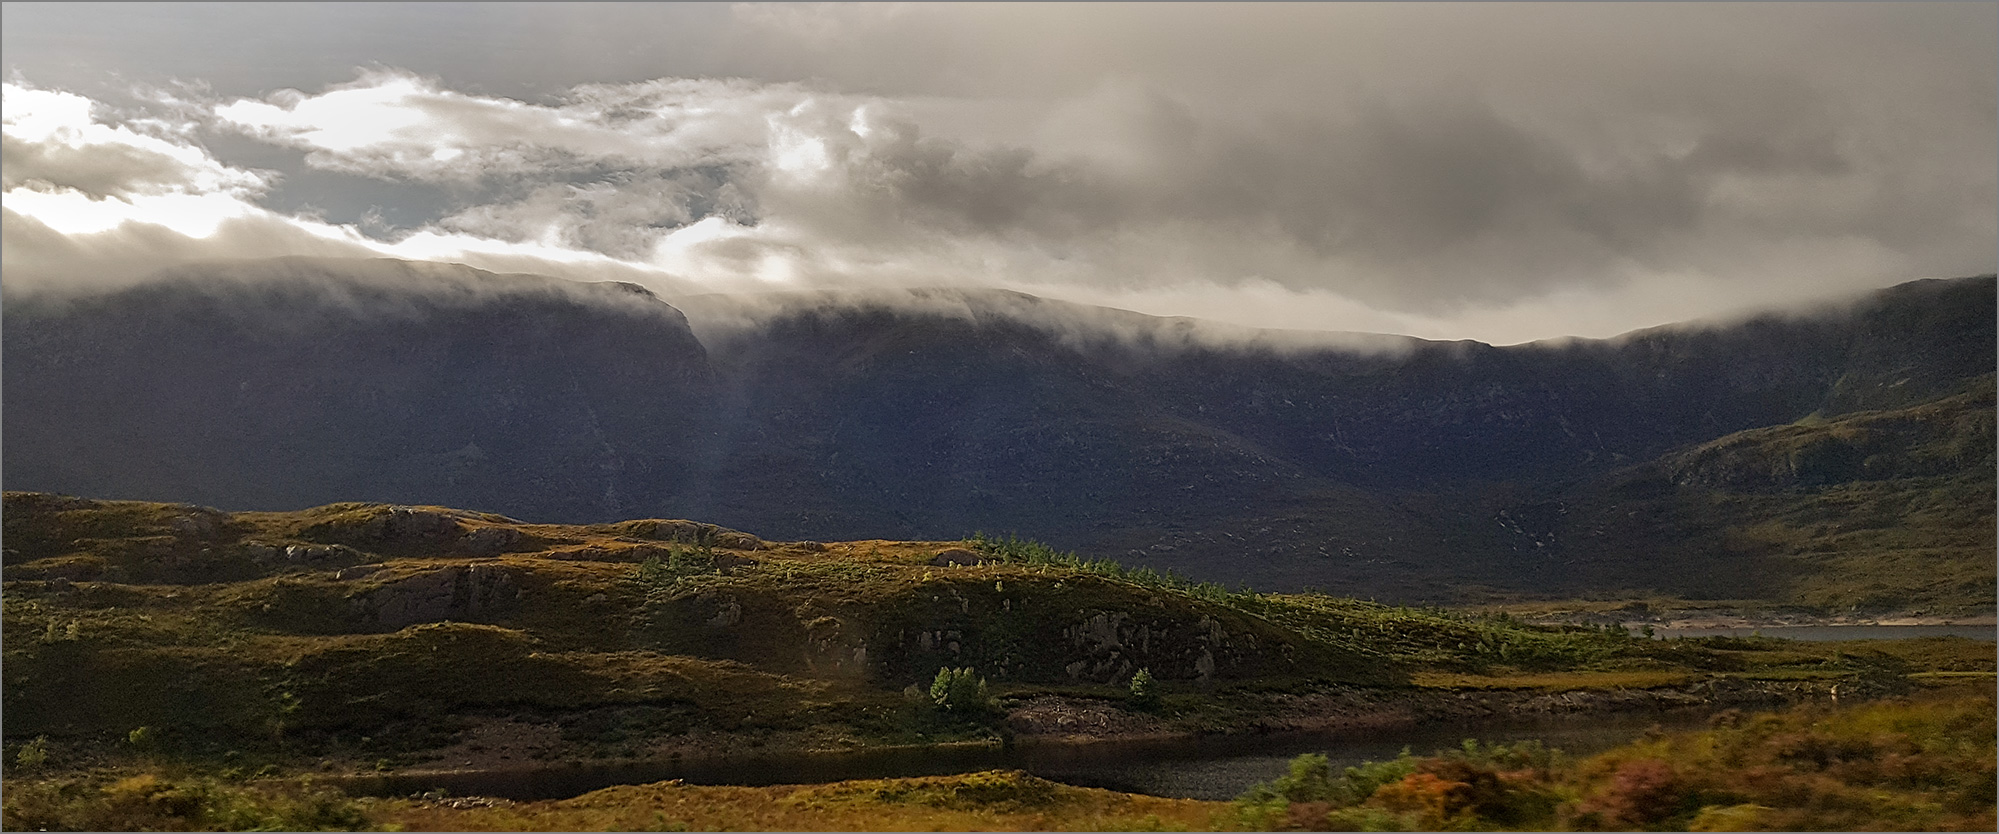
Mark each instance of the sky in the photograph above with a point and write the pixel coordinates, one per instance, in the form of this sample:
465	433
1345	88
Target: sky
1491	171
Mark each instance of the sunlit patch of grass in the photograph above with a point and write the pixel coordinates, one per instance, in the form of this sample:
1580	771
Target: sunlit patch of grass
1943	677
631	640
986	801
158	801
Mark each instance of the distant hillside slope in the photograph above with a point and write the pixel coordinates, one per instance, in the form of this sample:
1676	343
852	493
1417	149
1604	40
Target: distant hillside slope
1407	470
1873	511
297	382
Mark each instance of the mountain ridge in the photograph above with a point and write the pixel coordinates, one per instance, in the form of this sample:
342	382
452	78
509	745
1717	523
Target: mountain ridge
1393	473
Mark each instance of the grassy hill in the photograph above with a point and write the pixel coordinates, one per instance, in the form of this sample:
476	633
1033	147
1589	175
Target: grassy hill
354	634
1871	512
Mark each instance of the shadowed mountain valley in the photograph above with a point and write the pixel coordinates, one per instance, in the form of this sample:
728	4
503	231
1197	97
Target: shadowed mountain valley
1835	459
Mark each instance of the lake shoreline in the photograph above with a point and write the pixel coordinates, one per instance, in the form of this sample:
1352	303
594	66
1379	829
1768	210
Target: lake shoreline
1690	622
1100	727
1635	616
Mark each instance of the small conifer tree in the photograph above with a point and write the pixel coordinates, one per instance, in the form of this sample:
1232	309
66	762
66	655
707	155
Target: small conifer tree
1144	690
960	690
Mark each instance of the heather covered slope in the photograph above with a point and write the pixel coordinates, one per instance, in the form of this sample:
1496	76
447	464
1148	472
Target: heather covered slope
364	632
1384	467
1872	511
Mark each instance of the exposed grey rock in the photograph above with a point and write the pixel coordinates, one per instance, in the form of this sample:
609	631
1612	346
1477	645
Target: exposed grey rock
321	554
408	527
468	592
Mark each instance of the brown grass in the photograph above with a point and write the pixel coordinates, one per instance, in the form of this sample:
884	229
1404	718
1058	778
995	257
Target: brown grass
987	801
1553	681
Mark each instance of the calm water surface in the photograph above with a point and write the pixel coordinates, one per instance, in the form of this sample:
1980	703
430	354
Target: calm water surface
1223	771
1218	768
1188	768
1841	632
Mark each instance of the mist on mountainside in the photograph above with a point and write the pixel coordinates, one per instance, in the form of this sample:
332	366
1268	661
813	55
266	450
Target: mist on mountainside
1372	465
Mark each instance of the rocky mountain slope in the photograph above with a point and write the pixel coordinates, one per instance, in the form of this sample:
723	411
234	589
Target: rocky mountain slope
1391	468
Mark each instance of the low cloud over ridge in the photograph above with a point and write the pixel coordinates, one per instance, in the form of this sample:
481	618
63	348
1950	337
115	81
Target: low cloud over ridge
1504	176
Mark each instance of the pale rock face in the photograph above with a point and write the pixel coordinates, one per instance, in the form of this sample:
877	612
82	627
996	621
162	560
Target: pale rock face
406	526
469	592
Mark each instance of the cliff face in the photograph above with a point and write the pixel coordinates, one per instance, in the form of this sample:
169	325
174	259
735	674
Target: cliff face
263	390
1408	470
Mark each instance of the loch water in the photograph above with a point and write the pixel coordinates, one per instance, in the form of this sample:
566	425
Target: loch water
1216	768
1819	633
1213	768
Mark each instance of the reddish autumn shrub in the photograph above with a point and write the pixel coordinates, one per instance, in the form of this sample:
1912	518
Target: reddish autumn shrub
1432	798
1305	816
1641	793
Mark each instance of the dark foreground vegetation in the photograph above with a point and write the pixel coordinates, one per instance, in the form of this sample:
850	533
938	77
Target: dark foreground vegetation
1924	763
178	666
1901	765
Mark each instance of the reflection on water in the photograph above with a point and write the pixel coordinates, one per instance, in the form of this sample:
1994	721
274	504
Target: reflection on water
1841	632
1201	768
1210	768
1224	770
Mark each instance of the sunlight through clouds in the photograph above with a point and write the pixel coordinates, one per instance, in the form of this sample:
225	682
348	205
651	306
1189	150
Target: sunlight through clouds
1149	161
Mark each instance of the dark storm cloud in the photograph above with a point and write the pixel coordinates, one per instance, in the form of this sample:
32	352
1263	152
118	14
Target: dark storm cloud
1490	170
99	172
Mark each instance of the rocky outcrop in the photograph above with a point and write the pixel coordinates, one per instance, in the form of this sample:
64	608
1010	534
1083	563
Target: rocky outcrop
680	531
1084	630
1114	645
404	529
471	593
317	556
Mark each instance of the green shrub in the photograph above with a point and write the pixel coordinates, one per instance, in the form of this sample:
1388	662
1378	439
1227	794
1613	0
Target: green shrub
678	564
1144	691
33	754
960	691
143	738
1017	551
151	802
